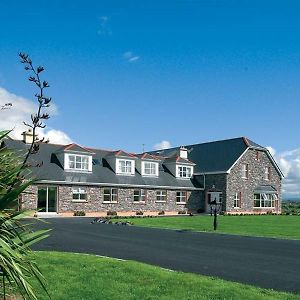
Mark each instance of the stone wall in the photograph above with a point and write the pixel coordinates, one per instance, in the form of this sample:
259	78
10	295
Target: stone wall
125	203
235	183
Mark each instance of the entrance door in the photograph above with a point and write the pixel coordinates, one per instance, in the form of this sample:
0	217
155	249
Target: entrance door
47	199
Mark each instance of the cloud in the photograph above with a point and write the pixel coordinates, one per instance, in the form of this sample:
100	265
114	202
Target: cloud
130	57
21	110
104	26
162	145
289	163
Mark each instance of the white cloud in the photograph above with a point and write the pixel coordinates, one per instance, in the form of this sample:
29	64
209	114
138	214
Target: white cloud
130	57
104	26
162	145
289	163
21	110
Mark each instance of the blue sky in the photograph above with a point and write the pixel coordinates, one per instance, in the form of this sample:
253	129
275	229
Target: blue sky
127	73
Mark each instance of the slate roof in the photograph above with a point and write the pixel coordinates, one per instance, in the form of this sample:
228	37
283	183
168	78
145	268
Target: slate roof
102	173
217	156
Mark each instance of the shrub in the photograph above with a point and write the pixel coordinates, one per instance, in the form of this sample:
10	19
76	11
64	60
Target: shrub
79	213
139	213
182	212
111	213
160	213
200	210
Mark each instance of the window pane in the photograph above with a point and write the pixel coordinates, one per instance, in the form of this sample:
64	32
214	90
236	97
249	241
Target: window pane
106	197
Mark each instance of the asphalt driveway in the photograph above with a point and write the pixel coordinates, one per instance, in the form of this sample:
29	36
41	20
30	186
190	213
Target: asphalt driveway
264	262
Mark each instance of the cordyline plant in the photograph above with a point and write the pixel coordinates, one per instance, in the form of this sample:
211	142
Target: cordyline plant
17	269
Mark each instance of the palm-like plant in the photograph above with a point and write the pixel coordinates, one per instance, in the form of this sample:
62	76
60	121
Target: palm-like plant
16	265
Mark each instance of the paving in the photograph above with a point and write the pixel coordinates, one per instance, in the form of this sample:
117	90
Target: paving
264	262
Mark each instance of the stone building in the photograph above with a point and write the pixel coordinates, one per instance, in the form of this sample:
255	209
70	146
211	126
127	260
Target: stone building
240	175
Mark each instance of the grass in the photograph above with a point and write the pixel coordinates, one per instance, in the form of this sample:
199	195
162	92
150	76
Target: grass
260	225
80	276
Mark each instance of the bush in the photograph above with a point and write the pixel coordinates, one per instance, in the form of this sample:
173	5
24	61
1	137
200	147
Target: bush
160	213
182	212
200	210
111	213
79	213
139	213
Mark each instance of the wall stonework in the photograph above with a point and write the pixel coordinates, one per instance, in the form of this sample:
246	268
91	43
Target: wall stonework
125	203
29	198
235	182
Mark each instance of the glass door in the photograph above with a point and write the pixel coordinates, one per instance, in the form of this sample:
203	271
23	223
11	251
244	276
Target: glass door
47	199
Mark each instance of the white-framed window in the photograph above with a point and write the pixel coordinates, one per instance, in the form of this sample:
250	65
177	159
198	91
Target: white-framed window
237	200
77	162
267	173
149	168
181	197
265	200
139	195
184	171
79	194
110	195
214	196
161	196
125	166
245	171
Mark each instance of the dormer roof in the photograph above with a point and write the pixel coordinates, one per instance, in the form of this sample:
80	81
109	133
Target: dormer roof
75	148
148	156
121	153
179	160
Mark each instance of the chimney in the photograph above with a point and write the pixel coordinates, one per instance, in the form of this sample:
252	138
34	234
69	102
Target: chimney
183	152
27	136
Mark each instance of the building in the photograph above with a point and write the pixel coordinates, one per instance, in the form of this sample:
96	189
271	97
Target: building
239	174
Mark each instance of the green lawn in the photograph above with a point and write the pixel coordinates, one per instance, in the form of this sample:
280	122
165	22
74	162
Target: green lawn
79	276
262	225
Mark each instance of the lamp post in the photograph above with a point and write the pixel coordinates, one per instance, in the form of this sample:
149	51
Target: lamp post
214	208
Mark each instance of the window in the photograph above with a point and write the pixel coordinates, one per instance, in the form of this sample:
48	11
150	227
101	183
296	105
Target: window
79	194
181	197
125	166
149	168
265	200
267	173
237	200
139	195
184	172
78	162
257	155
245	171
161	196
110	195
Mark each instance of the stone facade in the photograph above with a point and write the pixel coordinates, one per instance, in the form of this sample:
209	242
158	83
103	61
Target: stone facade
235	182
124	205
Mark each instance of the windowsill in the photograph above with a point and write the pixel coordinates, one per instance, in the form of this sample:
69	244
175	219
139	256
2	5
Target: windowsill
264	207
77	171
245	177
160	201
184	178
139	202
145	175
110	202
125	174
79	201
236	207
179	203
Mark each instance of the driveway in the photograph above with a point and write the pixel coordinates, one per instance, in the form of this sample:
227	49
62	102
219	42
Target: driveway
264	262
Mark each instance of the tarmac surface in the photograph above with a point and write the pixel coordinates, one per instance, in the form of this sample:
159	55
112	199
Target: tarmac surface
264	262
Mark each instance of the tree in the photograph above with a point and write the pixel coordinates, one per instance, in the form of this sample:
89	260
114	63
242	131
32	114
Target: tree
16	264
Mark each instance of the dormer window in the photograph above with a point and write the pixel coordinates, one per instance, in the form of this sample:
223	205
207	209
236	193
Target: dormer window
184	171
125	166
149	168
77	162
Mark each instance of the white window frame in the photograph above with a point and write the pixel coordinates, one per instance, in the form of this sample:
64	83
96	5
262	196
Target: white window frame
266	200
182	171
237	200
78	160
129	167
81	192
141	194
267	173
153	167
181	197
245	171
161	196
112	193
